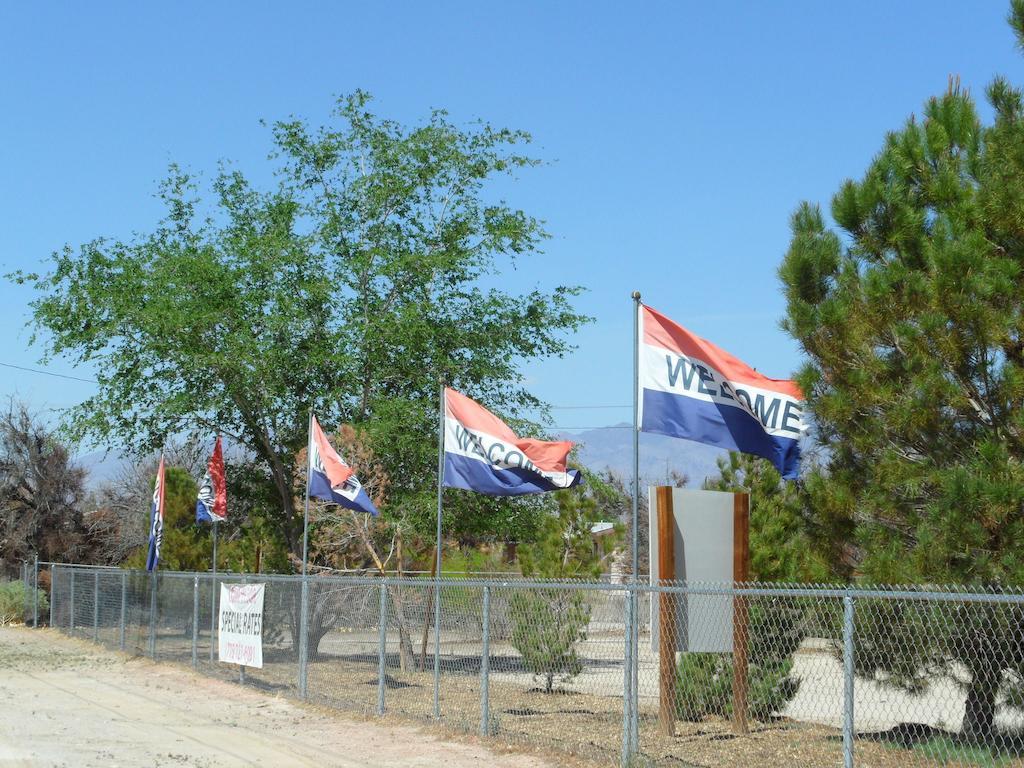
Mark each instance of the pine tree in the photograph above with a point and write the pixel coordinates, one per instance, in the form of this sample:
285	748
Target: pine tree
912	318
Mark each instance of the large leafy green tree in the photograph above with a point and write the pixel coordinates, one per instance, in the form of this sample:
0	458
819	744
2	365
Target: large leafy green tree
911	313
352	288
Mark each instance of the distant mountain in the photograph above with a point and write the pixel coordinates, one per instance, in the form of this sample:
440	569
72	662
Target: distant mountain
612	448
100	466
599	449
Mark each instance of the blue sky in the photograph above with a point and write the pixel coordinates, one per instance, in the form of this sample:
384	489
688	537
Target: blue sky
681	135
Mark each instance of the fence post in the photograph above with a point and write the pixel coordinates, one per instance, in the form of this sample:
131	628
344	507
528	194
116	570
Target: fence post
848	681
485	667
96	606
152	615
627	682
303	638
241	667
35	591
53	592
195	621
72	622
124	600
382	645
437	639
634	675
213	615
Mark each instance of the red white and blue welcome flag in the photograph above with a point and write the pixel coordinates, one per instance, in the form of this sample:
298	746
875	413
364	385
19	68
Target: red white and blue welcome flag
694	390
212	503
156	520
330	478
482	454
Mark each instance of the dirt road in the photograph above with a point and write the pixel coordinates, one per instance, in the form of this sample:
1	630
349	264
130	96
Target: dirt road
67	703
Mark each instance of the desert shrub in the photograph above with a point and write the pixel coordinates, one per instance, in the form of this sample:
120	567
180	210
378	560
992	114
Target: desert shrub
546	626
16	602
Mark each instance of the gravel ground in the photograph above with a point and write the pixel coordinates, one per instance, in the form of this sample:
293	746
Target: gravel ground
583	724
66	702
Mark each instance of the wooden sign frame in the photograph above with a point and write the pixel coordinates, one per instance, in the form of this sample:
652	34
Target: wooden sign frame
668	602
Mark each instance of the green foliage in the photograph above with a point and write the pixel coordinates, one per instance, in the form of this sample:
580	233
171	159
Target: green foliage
565	547
16	602
910	315
351	288
780	545
473	560
704	685
184	546
245	539
546	627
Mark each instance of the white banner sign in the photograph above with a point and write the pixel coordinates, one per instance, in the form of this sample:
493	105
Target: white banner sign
240	640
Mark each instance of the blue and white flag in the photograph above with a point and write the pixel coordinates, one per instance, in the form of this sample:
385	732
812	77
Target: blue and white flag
156	520
330	478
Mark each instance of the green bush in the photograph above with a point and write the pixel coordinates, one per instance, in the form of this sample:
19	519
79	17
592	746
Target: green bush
704	684
546	626
16	605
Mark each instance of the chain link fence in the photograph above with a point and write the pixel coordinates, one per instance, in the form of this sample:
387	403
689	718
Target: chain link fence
673	675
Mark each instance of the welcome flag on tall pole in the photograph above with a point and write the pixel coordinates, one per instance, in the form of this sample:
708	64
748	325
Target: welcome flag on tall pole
482	454
476	451
330	478
692	389
212	503
156	520
212	506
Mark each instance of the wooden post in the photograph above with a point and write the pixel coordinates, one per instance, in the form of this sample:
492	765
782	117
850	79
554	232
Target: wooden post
740	639
667	624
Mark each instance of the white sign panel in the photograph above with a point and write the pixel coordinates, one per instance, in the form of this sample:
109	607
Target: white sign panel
703	555
240	639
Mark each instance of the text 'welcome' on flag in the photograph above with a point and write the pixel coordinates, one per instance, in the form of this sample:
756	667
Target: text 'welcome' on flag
330	478
690	388
482	454
156	520
212	504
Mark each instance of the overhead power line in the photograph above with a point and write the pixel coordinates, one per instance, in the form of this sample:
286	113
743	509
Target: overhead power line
559	407
48	373
586	407
578	429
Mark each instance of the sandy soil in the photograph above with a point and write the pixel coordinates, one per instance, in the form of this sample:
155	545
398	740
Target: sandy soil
65	702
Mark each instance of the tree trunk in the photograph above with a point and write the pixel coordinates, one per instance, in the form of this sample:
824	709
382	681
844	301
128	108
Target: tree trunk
405	655
980	712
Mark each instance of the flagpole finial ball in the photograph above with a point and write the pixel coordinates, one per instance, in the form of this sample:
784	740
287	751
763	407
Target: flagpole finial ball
636	295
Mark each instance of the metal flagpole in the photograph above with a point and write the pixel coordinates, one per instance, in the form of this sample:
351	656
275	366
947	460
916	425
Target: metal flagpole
305	514
636	429
437	551
634	628
304	605
213	585
213	594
